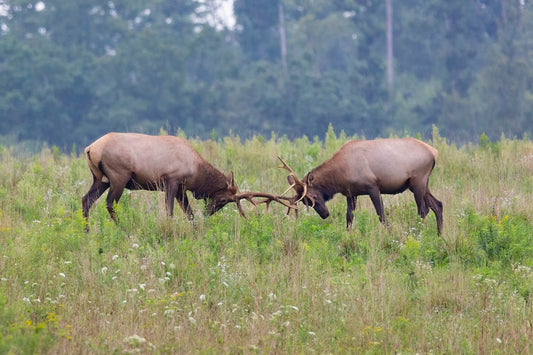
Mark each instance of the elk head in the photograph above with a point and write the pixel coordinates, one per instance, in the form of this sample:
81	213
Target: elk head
231	194
307	191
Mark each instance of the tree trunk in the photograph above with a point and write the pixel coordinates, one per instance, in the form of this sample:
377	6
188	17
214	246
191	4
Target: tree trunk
390	49
282	38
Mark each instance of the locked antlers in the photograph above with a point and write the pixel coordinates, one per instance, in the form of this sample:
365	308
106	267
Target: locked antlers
268	198
290	202
297	182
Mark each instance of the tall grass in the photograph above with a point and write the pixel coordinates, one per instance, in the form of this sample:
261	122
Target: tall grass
269	283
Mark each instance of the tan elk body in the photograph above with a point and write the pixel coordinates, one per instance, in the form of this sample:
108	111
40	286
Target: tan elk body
166	163
372	167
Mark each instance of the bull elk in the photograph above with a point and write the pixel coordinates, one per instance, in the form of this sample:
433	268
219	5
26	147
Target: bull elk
370	167
161	163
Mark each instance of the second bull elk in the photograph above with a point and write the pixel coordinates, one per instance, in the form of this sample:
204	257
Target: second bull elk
167	163
371	167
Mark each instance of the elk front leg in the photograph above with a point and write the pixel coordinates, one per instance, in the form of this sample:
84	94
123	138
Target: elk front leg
351	202
170	193
375	196
181	196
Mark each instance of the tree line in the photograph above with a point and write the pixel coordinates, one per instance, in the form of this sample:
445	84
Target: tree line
72	70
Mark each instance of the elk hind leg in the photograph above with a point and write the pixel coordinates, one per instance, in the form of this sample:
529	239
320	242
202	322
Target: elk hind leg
421	200
96	190
437	207
113	196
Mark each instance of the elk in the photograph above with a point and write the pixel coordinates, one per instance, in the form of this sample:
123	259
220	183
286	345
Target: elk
370	167
161	163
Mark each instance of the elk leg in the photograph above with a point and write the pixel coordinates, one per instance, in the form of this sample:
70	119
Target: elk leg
96	190
375	196
181	196
351	202
420	199
436	206
113	196
170	192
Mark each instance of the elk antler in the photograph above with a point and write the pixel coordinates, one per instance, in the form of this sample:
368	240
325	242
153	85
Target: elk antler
268	198
296	182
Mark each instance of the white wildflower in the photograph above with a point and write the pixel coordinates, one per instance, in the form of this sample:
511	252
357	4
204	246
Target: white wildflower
169	312
62	274
115	257
103	270
202	297
275	314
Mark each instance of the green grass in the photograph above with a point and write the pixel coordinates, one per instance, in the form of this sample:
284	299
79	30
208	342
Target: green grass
269	283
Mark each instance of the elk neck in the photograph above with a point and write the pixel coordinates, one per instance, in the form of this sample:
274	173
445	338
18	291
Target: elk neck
208	181
326	180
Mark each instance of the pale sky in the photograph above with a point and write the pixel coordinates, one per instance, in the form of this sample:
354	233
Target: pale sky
224	9
223	13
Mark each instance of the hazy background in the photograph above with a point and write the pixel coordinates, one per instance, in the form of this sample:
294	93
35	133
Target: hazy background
71	71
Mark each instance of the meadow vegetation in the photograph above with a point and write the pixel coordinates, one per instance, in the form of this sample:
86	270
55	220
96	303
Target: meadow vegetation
269	283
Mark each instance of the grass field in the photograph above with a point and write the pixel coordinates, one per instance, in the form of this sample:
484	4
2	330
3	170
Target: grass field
269	283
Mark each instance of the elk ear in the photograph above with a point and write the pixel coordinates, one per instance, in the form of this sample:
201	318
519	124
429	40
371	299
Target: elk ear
290	179
230	179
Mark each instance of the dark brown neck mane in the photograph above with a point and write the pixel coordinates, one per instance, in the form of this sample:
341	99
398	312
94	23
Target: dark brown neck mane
210	181
325	179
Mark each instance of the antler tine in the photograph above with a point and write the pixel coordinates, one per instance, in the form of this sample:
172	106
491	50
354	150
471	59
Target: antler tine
296	182
238	203
292	173
268	198
285	165
289	189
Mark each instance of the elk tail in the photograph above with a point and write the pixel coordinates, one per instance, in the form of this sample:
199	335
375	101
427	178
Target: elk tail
96	166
